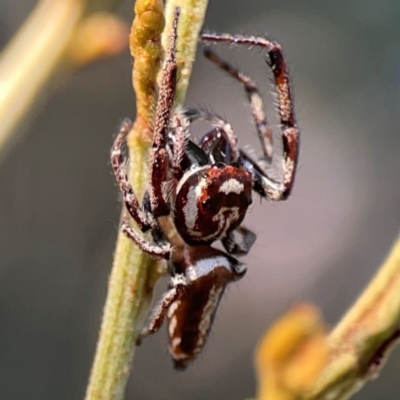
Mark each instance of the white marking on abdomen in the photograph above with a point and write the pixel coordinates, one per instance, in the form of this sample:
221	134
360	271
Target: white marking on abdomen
172	308
205	266
190	208
172	325
175	342
205	321
231	186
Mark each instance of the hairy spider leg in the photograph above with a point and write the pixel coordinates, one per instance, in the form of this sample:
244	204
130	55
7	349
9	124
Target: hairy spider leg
176	289
132	205
180	125
289	130
118	164
159	187
255	99
159	161
180	135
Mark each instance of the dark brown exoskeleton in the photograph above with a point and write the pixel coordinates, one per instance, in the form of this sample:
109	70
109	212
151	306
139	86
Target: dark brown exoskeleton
200	193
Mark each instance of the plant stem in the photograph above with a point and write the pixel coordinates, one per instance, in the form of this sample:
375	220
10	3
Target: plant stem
134	274
363	338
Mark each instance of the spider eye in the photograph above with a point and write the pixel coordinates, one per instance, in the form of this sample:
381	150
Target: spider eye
245	201
206	204
218	165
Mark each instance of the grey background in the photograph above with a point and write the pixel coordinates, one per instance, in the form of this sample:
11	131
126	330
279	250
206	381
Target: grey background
59	205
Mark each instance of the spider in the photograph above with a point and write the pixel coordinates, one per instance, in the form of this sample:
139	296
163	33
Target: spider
200	193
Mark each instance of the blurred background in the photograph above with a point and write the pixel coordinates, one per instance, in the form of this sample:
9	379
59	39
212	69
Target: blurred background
59	204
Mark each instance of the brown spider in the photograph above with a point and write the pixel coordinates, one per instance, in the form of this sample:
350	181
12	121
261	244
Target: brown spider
200	193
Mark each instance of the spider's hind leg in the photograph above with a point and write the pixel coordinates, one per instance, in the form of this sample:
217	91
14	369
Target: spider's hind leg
177	288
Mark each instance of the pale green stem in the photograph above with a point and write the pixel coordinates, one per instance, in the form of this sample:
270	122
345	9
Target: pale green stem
128	295
133	275
366	333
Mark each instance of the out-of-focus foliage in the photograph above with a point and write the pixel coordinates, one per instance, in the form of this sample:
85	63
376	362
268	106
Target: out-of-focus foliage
292	355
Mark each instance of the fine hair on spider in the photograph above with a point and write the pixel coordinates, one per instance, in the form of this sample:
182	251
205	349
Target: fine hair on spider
199	193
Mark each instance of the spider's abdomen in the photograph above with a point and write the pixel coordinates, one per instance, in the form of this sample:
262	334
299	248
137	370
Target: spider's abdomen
211	201
190	317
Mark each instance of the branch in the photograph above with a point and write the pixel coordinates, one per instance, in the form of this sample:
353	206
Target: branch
362	340
296	361
134	274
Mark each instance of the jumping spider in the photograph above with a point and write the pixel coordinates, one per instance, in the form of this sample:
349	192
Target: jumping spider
200	193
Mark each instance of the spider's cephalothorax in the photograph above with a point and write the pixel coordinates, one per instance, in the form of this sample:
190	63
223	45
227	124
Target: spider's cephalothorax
200	193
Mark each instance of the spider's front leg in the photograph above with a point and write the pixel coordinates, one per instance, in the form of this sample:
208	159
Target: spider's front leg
290	133
131	202
255	99
157	203
160	175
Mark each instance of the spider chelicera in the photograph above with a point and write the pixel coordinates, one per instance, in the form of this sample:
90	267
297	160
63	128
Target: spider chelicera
200	193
